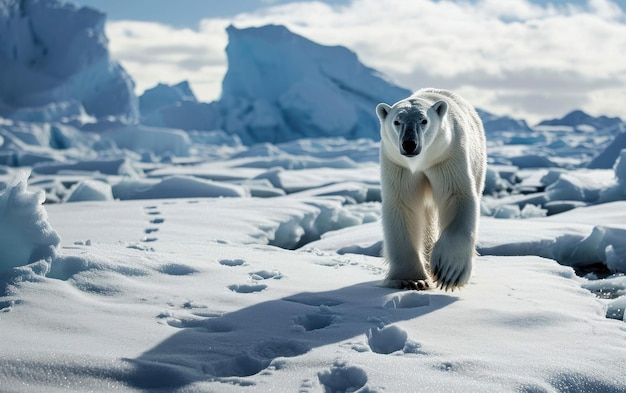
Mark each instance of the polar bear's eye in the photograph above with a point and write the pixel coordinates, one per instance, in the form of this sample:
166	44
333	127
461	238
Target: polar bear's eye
424	121
396	123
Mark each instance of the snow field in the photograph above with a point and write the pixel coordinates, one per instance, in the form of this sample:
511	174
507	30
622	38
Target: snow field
170	294
324	335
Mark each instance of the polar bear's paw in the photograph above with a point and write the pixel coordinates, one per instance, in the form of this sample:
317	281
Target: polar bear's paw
451	266
415	285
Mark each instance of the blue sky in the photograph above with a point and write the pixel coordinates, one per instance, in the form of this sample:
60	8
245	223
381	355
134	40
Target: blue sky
531	59
189	12
177	13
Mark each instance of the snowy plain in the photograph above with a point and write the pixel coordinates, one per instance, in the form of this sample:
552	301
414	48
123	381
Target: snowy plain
281	293
156	257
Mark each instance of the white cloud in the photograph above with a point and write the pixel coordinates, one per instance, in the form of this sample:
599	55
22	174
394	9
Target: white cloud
499	56
154	53
513	9
606	9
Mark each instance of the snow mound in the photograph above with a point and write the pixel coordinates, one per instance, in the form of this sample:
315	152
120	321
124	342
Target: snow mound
56	65
175	187
280	86
25	234
387	339
561	238
100	166
158	141
90	190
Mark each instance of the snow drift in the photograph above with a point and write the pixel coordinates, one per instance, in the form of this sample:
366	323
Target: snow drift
25	234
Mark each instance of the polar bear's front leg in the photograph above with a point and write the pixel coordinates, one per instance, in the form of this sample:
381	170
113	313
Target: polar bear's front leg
403	216
402	237
451	259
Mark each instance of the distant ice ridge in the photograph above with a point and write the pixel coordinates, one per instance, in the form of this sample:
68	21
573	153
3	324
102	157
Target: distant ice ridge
549	191
579	120
281	87
176	106
56	66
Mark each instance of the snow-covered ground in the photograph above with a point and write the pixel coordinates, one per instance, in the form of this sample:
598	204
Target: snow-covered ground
281	293
168	255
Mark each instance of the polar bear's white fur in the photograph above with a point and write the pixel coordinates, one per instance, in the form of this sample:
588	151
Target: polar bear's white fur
433	161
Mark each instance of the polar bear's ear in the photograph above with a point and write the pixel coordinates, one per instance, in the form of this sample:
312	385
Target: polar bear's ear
382	110
441	108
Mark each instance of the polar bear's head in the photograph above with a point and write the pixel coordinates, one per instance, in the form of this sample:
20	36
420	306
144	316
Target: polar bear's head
411	125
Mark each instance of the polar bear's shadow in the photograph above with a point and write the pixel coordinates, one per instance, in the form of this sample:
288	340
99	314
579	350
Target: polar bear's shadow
259	338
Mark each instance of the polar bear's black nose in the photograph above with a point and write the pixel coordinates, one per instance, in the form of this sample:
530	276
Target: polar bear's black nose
409	147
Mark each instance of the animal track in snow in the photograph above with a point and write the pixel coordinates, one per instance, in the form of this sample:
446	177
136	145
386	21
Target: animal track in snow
319	320
306	386
177	269
140	247
408	300
266	275
210	325
258	358
232	262
6	306
210	322
339	261
342	378
194	315
151	211
247	288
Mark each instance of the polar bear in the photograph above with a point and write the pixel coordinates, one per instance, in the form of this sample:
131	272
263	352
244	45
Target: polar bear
433	160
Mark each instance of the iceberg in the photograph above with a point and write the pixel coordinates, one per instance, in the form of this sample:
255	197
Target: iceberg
607	158
163	95
56	65
176	106
280	87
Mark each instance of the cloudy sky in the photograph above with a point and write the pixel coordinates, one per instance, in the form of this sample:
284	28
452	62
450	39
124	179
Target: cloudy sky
530	59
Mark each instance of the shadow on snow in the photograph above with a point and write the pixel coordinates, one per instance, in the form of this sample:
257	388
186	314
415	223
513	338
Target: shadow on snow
248	341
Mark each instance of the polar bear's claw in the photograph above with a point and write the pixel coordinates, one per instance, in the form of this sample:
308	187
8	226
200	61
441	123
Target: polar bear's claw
418	285
415	285
452	277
